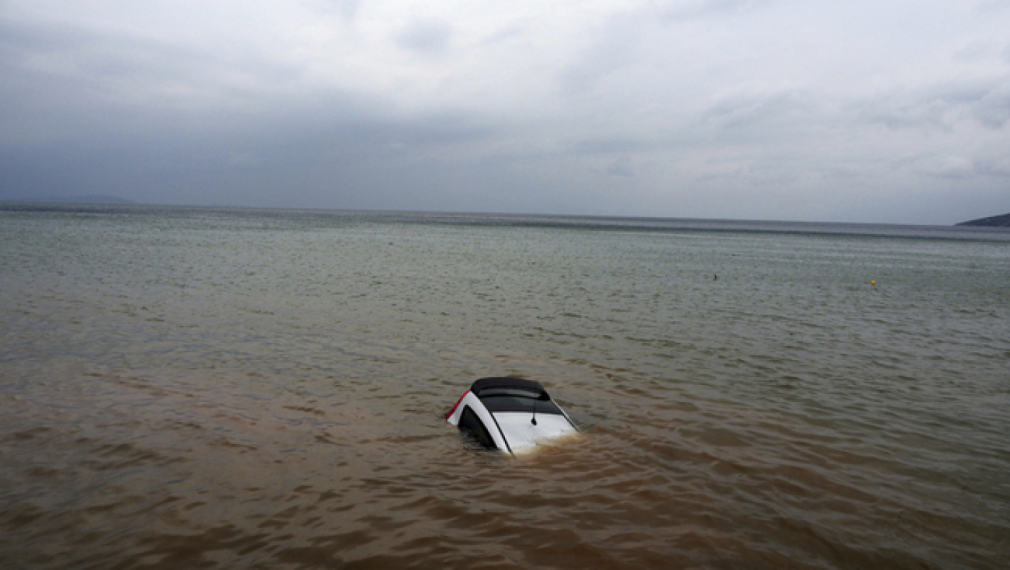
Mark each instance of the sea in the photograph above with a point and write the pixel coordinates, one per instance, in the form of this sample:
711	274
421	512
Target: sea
189	387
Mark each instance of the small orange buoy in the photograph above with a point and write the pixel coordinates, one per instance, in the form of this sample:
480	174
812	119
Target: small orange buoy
873	282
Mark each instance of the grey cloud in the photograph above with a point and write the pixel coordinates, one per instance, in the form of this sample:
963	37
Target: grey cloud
952	167
679	11
119	67
998	166
110	87
621	167
939	106
346	8
427	37
760	114
511	31
263	164
423	131
991	5
615	44
957	167
609	146
974	51
686	107
92	53
993	108
611	49
901	113
244	161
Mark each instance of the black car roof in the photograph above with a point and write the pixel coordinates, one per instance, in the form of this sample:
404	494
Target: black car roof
508	382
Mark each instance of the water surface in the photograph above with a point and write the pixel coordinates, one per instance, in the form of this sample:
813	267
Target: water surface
221	388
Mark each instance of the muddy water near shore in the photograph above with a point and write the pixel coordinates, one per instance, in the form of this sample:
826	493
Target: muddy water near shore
265	389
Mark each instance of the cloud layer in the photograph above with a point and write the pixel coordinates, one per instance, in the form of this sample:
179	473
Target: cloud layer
862	111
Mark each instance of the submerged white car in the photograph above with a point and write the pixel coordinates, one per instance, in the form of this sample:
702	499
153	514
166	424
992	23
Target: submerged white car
510	414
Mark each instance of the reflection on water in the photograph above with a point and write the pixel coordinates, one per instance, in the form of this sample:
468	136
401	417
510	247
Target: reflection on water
200	388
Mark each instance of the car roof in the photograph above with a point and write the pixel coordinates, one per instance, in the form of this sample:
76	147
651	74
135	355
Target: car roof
505	382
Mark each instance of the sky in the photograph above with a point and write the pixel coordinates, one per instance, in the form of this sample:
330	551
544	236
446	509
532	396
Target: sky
880	111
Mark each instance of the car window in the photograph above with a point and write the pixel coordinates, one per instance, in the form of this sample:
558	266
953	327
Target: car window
470	424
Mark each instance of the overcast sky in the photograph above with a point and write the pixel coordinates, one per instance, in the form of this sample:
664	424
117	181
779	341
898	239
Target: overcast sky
830	110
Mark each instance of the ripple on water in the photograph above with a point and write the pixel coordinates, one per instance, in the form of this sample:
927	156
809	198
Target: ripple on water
265	391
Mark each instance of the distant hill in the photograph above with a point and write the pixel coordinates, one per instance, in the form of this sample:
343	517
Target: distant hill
993	222
84	199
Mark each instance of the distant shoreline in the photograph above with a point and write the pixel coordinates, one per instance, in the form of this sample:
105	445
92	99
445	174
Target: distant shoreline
507	218
990	222
625	224
84	199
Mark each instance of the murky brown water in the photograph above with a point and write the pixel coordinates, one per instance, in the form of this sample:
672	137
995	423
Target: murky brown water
240	389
